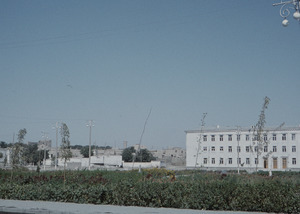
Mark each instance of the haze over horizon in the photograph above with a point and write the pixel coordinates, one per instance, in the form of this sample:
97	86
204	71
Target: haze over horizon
113	61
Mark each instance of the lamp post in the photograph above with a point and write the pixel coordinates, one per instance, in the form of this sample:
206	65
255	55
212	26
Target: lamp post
90	124
286	6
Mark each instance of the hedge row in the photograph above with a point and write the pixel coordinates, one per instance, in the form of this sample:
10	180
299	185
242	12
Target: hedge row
230	193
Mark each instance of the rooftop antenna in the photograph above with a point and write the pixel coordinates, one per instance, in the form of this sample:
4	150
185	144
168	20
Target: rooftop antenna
200	137
139	147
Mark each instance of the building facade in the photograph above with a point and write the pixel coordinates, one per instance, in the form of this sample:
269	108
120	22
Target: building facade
175	156
232	149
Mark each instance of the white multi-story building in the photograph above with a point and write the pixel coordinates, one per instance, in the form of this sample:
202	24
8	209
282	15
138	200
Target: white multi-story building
232	149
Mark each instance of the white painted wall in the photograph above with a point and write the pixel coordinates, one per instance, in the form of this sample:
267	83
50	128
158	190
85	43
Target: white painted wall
143	165
192	138
111	160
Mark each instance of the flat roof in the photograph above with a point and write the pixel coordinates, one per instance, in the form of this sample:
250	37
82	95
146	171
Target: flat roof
243	129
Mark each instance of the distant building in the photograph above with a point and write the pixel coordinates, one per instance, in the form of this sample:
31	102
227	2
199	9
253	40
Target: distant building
229	149
42	144
4	156
171	156
137	146
112	151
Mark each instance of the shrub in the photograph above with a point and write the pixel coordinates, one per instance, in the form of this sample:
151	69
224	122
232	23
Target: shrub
207	191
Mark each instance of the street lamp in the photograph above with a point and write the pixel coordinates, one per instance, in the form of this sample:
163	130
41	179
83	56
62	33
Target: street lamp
286	6
90	124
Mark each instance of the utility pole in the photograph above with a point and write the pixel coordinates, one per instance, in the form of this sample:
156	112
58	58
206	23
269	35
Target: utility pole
90	124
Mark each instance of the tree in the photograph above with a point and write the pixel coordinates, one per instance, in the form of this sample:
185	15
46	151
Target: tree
105	147
77	147
3	144
85	151
21	135
142	156
127	154
32	154
16	154
259	133
65	149
17	150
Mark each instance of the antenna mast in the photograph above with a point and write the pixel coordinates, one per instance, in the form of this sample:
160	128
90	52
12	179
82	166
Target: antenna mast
200	137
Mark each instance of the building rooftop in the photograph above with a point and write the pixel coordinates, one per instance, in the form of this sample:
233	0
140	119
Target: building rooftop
243	129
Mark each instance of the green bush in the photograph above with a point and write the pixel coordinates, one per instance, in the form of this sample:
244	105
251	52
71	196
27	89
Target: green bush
207	191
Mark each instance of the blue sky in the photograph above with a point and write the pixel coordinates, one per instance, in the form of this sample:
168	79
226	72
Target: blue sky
112	61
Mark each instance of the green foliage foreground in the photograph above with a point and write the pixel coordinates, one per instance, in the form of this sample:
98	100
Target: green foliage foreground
158	188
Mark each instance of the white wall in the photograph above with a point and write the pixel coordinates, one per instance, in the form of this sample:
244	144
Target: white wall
192	145
113	160
136	165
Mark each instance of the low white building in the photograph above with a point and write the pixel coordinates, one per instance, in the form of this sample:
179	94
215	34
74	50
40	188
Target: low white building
230	149
78	162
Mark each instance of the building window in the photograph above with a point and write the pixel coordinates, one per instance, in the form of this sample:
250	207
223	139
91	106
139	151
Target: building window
255	148
283	148
274	137
247	160
238	160
230	161
274	163
213	161
274	149
221	161
247	148
221	137
284	163
238	137
294	161
293	148
221	148
283	136
247	137
293	136
265	137
230	137
213	148
255	161
255	138
238	149
265	148
229	148
204	137
205	160
205	148
212	138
